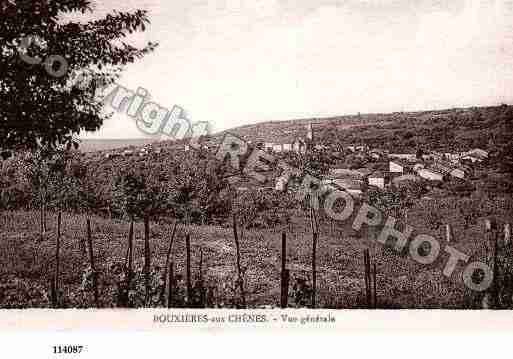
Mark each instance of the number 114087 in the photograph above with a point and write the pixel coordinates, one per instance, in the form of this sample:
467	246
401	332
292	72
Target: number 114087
67	349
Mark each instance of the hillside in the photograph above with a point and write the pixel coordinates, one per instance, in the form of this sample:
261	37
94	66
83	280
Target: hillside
451	129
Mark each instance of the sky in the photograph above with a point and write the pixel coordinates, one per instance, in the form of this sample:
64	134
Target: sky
237	62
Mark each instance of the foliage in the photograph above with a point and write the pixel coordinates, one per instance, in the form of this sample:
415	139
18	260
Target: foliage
18	293
43	110
302	292
459	188
314	162
263	208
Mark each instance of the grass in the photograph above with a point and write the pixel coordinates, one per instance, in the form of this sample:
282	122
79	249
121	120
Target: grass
402	283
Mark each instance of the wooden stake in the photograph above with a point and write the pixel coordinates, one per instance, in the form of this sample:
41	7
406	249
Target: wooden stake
168	256
169	286
188	268
495	284
147	265
314	268
93	269
366	260
42	215
128	264
375	298
202	290
490	229
130	256
448	233
284	272
507	234
55	298
239	271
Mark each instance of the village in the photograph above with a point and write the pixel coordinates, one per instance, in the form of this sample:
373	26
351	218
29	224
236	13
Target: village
371	167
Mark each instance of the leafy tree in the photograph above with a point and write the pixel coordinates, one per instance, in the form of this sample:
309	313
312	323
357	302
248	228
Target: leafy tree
138	192
45	172
314	162
263	208
41	106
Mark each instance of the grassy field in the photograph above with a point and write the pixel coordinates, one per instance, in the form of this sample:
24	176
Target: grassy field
26	266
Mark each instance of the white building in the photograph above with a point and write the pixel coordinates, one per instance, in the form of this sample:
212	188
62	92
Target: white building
430	174
277	148
377	179
404	156
411	178
299	146
395	167
309	132
475	155
458	173
417	167
281	183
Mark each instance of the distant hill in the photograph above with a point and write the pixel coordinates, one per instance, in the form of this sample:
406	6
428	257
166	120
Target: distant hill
451	129
90	145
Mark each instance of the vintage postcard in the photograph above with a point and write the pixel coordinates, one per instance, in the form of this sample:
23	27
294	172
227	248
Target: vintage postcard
265	164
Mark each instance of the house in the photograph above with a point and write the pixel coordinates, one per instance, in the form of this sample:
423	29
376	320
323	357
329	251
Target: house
449	169
452	157
458	173
186	148
287	147
479	153
112	155
353	187
471	159
404	178
268	146
377	179
346	173
430	174
395	167
299	146
377	154
475	155
347	183
357	148
417	167
128	153
409	157
277	148
281	183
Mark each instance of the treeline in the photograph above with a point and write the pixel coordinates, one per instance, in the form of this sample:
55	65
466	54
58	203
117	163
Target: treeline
192	187
489	128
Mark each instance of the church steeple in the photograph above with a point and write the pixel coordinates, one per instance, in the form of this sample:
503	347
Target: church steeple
309	132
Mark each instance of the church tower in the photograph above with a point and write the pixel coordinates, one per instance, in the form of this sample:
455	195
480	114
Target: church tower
309	132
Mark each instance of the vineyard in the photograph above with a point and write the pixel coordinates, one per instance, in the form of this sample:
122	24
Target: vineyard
109	264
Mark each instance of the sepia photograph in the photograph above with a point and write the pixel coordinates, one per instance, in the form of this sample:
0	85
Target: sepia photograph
255	157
